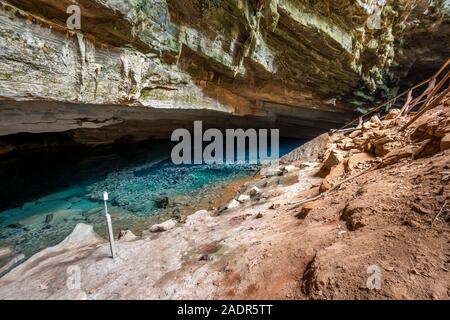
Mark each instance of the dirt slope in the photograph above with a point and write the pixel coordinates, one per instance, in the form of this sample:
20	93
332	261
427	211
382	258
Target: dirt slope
380	212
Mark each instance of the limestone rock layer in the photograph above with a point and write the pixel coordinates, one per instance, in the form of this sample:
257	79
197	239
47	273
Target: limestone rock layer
294	63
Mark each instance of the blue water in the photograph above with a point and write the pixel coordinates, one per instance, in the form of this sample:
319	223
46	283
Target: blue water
46	195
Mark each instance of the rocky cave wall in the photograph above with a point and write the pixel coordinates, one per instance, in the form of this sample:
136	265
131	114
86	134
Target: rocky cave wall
305	65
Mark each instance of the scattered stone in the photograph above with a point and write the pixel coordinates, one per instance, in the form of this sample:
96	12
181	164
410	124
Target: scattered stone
375	120
233	204
290	168
254	191
359	158
334	158
334	175
367	125
126	235
270	172
165	226
396	155
277	204
259	215
221	209
393	113
243	198
354	134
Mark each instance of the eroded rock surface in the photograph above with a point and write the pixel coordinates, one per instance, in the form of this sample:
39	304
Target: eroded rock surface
311	61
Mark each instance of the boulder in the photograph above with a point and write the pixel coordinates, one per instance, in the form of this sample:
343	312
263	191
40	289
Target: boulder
233	204
360	141
167	225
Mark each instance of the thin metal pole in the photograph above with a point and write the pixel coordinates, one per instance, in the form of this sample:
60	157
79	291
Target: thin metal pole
109	225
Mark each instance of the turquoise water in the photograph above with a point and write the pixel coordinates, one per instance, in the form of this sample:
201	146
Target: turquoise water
46	195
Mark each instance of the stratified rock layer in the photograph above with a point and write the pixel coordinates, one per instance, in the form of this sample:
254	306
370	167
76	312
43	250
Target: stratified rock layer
280	60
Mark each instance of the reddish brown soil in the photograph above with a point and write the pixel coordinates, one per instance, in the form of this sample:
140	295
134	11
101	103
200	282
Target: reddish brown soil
395	219
323	257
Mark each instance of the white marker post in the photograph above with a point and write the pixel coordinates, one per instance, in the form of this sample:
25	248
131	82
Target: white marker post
109	225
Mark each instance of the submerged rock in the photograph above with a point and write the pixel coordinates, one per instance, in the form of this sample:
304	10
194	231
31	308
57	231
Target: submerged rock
162	202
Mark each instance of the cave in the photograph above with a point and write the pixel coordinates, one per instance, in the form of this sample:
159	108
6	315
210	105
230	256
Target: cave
90	108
